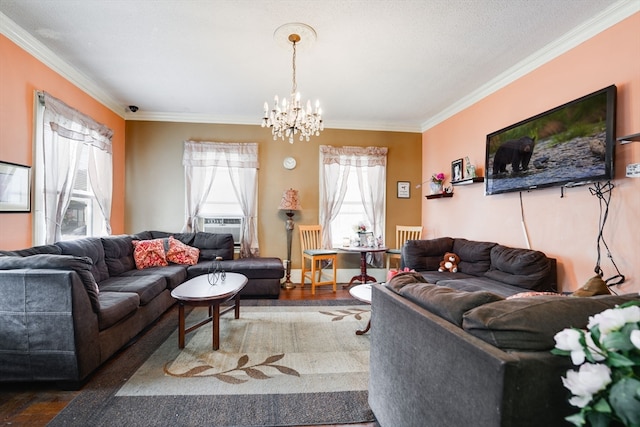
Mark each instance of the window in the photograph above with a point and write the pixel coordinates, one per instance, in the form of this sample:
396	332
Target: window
351	212
222	200
220	179
73	174
352	191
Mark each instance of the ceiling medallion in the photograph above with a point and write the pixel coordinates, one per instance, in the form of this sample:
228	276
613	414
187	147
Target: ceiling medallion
290	118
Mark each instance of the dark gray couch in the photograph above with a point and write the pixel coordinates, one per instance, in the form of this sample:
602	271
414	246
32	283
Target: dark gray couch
483	266
66	308
463	354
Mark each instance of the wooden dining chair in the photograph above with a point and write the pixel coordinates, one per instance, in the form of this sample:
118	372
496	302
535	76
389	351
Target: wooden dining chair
403	233
312	251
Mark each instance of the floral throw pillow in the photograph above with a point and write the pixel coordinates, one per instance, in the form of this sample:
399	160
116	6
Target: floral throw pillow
179	253
149	253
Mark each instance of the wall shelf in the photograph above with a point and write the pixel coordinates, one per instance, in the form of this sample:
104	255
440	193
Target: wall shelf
629	138
438	196
468	181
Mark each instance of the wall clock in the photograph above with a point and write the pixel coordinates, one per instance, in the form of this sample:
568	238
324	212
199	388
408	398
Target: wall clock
289	163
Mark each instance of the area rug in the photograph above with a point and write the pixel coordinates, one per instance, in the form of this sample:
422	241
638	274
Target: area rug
278	365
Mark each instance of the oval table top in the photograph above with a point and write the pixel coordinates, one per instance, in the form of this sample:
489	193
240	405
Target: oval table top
199	288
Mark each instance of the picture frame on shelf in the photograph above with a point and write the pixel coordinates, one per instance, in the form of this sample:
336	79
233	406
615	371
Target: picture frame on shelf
404	190
457	170
15	188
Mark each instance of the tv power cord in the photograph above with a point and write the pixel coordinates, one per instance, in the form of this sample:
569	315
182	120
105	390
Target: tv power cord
603	192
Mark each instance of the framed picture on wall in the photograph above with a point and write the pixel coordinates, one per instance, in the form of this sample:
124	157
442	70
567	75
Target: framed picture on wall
15	188
456	170
404	189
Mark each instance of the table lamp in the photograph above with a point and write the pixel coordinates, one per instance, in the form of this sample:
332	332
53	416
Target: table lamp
289	203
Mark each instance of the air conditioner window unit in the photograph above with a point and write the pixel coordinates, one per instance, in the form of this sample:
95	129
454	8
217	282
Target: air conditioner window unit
222	225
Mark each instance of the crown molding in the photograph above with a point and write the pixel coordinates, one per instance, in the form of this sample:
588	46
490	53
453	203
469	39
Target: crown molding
604	20
26	41
226	120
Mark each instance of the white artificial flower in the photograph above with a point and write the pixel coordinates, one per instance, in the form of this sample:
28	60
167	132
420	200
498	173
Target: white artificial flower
569	340
585	382
635	338
614	318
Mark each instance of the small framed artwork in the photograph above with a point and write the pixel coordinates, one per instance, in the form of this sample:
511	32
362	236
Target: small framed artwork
15	188
456	170
404	189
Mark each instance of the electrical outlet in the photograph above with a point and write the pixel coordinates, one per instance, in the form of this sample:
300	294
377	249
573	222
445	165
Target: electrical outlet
633	170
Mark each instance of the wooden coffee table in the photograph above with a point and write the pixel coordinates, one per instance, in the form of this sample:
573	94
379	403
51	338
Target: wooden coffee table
198	292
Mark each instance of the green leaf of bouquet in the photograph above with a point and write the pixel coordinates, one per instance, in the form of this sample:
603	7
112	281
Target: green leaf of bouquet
619	340
602	406
576	419
598	419
625	400
618	360
559	352
629	304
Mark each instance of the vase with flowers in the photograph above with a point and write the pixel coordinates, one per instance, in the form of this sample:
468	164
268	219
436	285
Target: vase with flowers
606	387
436	183
363	231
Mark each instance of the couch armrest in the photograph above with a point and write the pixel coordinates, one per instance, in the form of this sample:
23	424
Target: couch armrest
48	330
427	371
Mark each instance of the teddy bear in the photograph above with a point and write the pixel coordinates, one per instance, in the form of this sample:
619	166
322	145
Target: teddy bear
449	263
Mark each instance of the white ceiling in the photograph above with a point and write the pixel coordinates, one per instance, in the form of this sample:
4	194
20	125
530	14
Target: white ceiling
398	65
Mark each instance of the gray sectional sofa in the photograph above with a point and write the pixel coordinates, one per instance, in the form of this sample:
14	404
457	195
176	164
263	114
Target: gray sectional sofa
473	348
66	308
483	266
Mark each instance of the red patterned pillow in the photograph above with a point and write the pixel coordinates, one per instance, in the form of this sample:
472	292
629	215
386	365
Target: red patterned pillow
179	253
149	253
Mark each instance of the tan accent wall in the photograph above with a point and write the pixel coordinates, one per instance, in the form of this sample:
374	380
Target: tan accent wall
155	177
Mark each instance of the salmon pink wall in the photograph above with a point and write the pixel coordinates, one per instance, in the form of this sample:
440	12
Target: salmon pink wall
566	227
20	76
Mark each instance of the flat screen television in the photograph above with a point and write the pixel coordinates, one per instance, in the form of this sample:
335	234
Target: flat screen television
568	145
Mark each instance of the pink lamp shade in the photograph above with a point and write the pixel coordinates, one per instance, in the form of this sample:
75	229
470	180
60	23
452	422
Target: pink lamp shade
290	200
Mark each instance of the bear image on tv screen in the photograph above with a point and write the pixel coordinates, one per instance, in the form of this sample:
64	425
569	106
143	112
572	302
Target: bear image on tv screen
516	152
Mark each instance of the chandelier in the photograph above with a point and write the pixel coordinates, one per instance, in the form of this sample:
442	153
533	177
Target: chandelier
289	118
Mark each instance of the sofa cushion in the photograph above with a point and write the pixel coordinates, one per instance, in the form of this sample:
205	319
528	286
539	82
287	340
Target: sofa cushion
252	268
404	278
473	284
179	253
475	257
525	268
174	274
35	250
118	254
438	276
447	303
91	247
530	324
147	286
425	254
149	253
115	306
81	265
214	245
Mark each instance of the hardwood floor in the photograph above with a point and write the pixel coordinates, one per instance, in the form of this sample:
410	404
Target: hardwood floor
35	405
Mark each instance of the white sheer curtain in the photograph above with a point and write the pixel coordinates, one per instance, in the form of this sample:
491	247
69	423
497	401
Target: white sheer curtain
66	132
200	161
335	167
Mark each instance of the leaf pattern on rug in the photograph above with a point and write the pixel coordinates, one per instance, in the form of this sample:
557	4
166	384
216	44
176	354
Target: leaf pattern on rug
252	371
343	314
